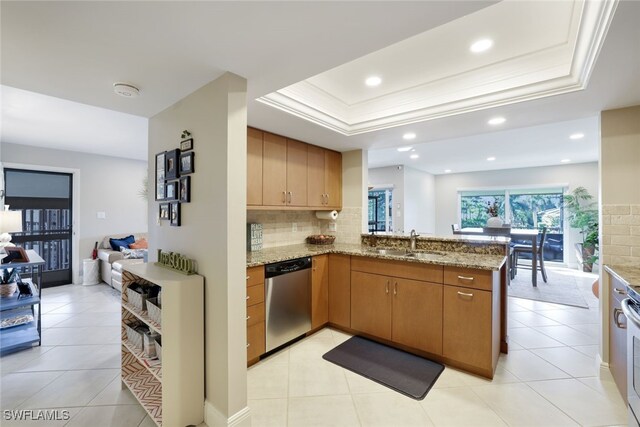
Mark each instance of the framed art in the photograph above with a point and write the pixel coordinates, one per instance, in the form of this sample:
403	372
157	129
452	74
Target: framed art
171	164
172	190
16	254
175	214
186	145
160	190
186	163
184	194
164	211
160	175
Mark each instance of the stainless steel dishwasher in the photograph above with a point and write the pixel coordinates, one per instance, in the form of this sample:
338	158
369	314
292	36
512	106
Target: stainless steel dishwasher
287	300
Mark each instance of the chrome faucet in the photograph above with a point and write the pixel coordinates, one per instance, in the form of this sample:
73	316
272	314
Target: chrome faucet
412	240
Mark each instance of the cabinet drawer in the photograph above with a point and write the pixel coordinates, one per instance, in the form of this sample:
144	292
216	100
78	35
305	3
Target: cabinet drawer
255	294
255	314
469	278
255	340
403	269
255	275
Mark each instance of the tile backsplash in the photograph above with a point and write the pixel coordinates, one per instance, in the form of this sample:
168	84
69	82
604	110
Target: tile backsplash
620	235
278	226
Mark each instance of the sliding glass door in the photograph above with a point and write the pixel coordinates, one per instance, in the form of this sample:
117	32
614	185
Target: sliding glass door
46	204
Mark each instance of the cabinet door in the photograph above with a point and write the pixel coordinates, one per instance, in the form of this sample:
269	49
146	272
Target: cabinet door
466	329
254	167
333	179
617	337
371	304
319	291
255	341
340	289
274	169
296	173
417	315
315	176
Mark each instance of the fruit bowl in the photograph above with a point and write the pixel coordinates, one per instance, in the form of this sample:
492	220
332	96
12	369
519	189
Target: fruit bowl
321	239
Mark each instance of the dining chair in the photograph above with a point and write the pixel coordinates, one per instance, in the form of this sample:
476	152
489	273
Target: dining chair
505	231
520	248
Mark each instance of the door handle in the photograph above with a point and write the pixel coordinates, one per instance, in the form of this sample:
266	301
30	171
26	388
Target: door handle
248	297
387	287
395	288
616	318
284	195
289	197
465	278
463	294
248	317
619	291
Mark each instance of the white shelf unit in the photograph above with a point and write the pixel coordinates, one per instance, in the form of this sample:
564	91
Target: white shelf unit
172	393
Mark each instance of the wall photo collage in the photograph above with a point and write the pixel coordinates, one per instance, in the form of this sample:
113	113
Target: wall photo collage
173	180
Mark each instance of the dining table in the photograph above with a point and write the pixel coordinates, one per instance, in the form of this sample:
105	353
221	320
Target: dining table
516	233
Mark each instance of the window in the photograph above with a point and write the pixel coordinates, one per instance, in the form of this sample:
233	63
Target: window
380	210
523	208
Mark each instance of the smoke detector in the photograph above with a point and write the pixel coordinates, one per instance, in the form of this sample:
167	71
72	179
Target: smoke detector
125	89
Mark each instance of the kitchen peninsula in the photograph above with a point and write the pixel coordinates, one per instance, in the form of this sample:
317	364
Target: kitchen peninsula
446	300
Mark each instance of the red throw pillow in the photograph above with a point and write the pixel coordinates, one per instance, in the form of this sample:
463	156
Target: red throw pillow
140	244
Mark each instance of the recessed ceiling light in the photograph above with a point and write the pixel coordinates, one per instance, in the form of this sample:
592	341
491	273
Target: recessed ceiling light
126	89
409	136
481	45
565	160
491	159
576	135
497	121
403	149
414	156
373	81
447	171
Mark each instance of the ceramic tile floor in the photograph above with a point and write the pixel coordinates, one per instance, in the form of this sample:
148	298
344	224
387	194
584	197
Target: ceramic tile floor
549	378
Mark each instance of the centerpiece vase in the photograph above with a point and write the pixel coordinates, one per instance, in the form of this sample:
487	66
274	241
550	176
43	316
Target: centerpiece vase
494	221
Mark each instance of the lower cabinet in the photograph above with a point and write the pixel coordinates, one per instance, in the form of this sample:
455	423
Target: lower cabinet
408	312
255	314
340	290
467	326
617	336
319	290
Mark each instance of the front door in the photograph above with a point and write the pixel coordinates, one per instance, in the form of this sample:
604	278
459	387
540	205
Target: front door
45	201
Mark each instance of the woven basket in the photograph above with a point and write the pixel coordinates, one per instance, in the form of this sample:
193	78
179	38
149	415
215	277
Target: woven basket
154	311
8	289
134	336
139	301
321	239
159	347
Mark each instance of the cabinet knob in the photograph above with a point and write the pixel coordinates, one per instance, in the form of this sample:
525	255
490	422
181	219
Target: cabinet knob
248	297
248	345
248	317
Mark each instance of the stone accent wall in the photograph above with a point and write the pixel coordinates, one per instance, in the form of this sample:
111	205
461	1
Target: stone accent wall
277	226
620	235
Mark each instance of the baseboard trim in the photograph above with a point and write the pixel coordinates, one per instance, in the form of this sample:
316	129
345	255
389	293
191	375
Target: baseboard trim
601	366
214	418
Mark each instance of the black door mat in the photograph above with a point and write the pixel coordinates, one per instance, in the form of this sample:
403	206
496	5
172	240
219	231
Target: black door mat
403	372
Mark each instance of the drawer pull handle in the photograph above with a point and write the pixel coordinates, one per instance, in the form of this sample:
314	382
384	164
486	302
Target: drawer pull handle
619	291
463	294
248	317
465	278
616	318
248	297
284	195
248	345
386	288
248	277
395	288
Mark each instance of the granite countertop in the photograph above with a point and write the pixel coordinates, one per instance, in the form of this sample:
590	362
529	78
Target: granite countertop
628	274
466	238
455	259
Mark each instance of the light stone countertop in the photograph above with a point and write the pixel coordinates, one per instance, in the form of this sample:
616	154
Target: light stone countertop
628	274
455	259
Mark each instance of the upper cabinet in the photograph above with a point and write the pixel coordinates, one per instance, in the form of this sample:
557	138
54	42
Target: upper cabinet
283	172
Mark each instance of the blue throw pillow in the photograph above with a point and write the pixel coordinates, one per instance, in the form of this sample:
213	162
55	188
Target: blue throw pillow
126	241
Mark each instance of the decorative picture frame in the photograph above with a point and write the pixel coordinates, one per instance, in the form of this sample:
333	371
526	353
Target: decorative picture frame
184	190
164	211
186	145
187	163
175	214
171	190
160	175
171	164
17	254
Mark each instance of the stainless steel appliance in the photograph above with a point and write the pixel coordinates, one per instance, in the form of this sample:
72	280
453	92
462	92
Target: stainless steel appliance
287	301
631	309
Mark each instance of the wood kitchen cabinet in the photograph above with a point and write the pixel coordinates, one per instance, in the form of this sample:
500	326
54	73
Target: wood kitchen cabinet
324	178
340	290
371	304
296	173
274	170
319	290
617	335
254	167
255	314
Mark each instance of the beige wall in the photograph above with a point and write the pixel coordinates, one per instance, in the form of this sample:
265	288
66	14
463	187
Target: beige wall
354	189
101	184
620	199
213	230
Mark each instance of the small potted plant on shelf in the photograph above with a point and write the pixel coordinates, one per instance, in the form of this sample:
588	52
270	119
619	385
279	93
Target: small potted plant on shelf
494	220
8	282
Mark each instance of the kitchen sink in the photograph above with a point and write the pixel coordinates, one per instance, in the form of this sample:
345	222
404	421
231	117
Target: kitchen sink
405	253
394	252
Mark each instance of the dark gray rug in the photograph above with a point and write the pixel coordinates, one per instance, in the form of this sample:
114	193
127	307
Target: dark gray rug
561	287
403	372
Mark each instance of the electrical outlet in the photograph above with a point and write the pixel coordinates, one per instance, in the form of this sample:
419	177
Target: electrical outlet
294	227
332	226
101	215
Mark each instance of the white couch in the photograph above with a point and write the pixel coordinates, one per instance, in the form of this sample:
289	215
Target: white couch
107	256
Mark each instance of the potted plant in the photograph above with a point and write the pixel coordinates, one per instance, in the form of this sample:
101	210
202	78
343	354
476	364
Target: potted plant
582	214
8	282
